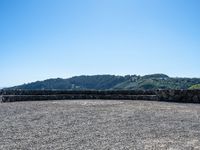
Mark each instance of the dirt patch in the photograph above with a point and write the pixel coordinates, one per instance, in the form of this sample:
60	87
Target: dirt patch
99	124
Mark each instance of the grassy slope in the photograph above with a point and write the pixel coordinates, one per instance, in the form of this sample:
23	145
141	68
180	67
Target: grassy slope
104	82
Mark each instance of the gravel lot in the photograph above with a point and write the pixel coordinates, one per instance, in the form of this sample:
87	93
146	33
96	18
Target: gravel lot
99	125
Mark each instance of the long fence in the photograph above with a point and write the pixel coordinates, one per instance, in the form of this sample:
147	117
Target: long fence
189	96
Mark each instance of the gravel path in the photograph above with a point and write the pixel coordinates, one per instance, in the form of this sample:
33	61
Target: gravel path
99	125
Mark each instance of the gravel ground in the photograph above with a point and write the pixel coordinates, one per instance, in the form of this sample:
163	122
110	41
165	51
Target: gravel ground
99	125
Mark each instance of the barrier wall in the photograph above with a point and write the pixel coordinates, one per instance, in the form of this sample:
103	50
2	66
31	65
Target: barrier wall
58	92
26	95
187	96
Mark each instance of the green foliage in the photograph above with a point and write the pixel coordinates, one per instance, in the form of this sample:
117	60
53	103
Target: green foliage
111	82
196	86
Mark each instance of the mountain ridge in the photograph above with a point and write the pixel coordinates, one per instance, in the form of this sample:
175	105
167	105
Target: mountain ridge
111	82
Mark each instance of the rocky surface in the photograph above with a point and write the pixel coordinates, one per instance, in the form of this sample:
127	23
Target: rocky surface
99	125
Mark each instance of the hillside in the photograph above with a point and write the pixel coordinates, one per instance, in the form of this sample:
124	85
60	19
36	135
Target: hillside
196	86
108	82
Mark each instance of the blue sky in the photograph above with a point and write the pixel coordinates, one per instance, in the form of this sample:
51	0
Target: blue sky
42	39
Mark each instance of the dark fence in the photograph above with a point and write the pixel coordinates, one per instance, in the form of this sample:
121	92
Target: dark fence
30	95
187	96
58	92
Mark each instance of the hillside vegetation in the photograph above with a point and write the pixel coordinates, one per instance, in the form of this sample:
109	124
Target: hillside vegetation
112	82
196	86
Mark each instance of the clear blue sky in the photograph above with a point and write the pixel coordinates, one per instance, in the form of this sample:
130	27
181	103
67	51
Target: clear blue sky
42	39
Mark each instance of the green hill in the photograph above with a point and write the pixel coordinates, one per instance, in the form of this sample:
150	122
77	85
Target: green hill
196	86
108	82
